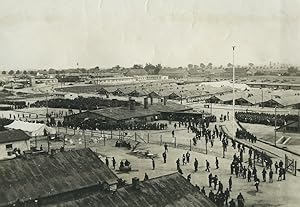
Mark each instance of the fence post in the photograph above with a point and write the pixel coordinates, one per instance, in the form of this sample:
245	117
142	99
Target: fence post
295	168
161	139
148	138
134	136
104	140
190	145
175	142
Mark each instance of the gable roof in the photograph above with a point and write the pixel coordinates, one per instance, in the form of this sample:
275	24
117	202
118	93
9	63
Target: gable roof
13	136
43	175
168	190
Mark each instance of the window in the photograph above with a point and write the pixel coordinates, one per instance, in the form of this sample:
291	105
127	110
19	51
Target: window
9	147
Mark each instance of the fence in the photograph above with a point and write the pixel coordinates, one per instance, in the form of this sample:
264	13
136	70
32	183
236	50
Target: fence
290	165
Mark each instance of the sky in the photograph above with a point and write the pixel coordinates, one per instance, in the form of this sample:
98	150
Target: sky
37	34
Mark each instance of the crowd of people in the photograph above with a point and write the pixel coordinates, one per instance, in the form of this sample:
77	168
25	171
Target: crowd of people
244	134
265	118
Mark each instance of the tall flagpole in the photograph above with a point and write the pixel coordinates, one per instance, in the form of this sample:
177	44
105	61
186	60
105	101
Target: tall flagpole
233	94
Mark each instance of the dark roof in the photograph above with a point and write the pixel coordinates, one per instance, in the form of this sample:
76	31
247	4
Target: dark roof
45	176
13	136
123	113
169	190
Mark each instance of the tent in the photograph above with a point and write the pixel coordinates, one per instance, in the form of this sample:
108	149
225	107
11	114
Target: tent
33	129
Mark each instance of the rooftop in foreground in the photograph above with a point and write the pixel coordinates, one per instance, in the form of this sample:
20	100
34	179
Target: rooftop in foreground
45	175
169	190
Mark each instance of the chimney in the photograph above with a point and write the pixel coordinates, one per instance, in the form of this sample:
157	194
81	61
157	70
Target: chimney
145	102
151	100
52	152
131	104
114	102
165	100
136	183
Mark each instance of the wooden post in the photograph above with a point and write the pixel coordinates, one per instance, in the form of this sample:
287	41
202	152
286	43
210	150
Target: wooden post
134	136
35	140
175	142
104	140
161	139
295	168
190	145
148	138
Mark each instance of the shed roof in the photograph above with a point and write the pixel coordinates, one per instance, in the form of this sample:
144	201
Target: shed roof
13	136
168	190
43	175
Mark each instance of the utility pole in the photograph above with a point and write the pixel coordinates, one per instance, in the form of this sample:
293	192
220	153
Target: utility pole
275	124
262	98
233	94
47	110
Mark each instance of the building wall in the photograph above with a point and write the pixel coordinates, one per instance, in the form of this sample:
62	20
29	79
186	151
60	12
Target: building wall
23	145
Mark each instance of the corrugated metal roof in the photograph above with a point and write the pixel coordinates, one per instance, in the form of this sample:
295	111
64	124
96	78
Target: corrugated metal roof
168	190
44	175
13	136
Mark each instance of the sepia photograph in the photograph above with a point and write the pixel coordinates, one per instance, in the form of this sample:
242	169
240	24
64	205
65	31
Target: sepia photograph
150	103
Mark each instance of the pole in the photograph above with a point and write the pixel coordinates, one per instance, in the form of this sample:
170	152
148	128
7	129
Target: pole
262	98
233	94
47	113
84	139
160	139
148	138
190	145
175	142
275	124
206	140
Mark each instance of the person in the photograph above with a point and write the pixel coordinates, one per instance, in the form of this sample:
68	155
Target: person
240	200
187	155
210	178
166	147
217	163
264	172
271	176
179	171
249	175
220	188
232	203
173	133
114	163
280	174
153	164
183	159
121	164
203	191
178	163
106	162
276	167
244	172
189	177
196	165
230	183
41	147
211	196
198	188
283	173
207	166
257	184
215	180
164	154
127	163
227	195
146	177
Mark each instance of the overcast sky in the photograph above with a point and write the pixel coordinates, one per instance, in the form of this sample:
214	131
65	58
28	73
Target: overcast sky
37	34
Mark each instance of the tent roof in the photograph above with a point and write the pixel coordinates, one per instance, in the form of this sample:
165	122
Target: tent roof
25	126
